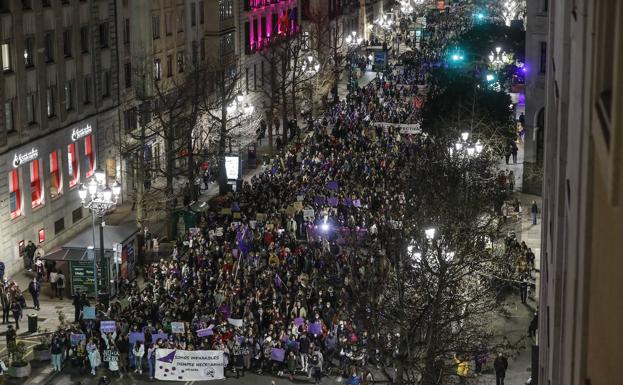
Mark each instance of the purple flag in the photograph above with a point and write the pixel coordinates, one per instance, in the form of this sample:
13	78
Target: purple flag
357	203
319	200
332	202
159	336
332	185
347	202
299	321
277	354
315	328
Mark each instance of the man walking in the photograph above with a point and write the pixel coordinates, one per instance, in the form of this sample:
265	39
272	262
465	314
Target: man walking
500	365
60	285
34	287
30	255
16	309
534	210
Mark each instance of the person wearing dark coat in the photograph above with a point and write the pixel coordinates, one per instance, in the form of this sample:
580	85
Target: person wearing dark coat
500	365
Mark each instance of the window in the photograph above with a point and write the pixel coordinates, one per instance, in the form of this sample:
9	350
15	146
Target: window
180	61
126	31
545	5
50	92
155	26
195	52
104	35
6	56
202	49
87	88
180	20
157	69
128	75
84	39
226	9
69	95
130	119
76	215
46	3
31	100
227	43
193	14
8	116
15	200
35	184
89	155
201	12
106	84
29	59
41	235
56	181
72	165
48	47
67	42
27	4
543	58
167	24
169	66
59	226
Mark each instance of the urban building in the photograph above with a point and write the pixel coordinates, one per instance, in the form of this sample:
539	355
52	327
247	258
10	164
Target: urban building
580	312
59	96
534	118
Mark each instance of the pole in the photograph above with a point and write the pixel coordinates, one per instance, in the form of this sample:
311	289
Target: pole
94	258
101	244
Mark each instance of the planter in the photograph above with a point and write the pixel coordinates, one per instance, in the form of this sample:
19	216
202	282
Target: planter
41	354
19	371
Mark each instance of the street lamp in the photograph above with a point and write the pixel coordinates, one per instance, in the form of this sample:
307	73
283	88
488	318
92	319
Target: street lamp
430	233
353	42
465	136
99	198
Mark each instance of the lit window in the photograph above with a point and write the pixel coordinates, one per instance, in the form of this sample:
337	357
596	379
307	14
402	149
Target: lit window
41	235
35	184
56	181
72	165
88	152
5	52
15	199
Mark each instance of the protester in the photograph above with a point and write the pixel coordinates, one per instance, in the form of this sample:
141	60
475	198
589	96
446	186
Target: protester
500	364
34	287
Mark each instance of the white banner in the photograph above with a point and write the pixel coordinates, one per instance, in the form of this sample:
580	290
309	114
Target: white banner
187	365
405	129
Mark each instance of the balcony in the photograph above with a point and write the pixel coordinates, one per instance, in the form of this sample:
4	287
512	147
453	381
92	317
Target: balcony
258	4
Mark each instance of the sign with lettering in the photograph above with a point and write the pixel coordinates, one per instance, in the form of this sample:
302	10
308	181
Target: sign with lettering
78	133
186	365
23	158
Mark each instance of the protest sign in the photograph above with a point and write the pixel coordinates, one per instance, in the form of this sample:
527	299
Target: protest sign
235	321
299	198
136	336
260	217
206	332
298	206
194	231
159	336
108	327
75	338
186	365
88	312
177	327
308	213
226	211
277	354
219	232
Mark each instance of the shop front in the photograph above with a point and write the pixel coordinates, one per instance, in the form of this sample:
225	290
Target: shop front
41	202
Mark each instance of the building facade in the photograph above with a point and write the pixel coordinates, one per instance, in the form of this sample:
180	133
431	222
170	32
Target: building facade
59	98
536	67
580	311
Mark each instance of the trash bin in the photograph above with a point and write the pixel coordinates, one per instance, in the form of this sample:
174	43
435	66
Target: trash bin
32	323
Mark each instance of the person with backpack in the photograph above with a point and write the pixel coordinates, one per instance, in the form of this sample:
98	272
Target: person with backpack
60	285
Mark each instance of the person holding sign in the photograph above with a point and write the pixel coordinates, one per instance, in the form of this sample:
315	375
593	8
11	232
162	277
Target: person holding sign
94	355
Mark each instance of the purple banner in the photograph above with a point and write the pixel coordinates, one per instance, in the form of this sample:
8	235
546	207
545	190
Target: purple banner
332	202
299	321
319	200
277	354
108	326
333	185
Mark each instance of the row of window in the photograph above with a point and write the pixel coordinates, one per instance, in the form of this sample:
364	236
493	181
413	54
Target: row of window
179	20
55	174
69	89
28	4
258	30
198	53
49	55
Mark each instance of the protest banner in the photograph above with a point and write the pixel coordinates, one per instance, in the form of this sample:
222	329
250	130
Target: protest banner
177	327
108	326
136	336
75	338
159	336
308	213
186	365
277	354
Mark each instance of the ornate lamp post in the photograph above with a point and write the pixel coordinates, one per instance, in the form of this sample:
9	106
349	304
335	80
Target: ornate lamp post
99	198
